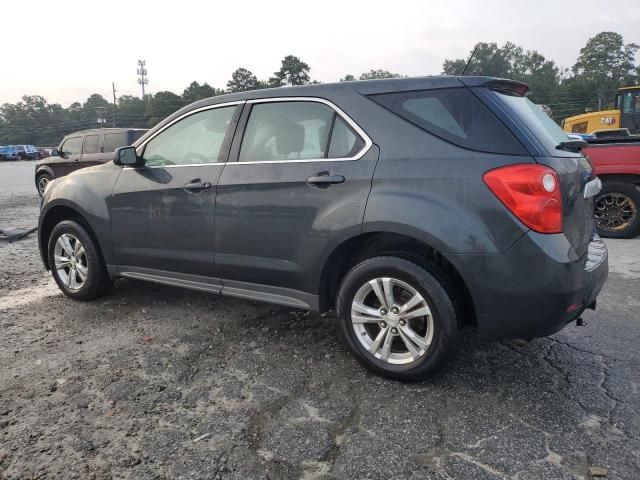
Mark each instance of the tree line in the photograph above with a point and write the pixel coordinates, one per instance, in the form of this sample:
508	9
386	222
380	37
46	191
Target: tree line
603	65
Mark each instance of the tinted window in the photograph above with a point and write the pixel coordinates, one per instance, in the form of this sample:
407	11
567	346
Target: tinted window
72	146
91	144
286	131
115	140
454	114
344	141
196	139
542	126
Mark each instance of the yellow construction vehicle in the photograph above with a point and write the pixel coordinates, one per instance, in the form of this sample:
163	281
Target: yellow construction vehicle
625	120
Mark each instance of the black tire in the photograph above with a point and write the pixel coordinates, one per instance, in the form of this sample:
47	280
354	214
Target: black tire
443	314
97	282
617	210
42	178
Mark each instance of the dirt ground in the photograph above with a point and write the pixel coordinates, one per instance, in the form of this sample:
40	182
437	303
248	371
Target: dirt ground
154	382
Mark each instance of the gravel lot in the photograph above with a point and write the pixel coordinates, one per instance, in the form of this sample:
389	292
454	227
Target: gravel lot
159	382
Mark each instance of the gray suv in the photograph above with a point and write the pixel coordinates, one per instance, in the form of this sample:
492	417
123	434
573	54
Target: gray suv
410	206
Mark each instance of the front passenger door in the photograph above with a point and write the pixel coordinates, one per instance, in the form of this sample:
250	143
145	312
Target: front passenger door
162	213
70	154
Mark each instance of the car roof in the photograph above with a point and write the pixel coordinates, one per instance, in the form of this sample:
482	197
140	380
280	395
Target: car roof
362	87
106	130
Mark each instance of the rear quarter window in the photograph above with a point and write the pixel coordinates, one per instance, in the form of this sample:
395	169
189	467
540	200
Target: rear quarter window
455	115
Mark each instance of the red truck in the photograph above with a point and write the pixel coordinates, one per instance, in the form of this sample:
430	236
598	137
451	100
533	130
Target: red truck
617	207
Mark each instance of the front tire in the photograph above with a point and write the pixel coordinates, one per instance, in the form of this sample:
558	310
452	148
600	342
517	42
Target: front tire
396	318
76	263
42	181
617	210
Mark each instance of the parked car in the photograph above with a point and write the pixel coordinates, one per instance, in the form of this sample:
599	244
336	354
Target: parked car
83	149
411	206
27	152
9	153
617	207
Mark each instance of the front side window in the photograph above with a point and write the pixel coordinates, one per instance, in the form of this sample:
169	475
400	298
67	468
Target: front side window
454	114
72	146
91	144
196	139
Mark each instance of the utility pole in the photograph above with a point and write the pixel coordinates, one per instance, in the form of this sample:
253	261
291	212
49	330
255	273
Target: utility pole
115	105
142	71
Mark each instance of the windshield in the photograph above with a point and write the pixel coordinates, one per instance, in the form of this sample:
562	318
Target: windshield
540	124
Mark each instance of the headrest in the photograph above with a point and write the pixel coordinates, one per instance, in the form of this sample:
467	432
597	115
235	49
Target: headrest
289	138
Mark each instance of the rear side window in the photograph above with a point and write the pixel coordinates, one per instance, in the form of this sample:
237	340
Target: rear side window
115	140
91	144
297	130
455	115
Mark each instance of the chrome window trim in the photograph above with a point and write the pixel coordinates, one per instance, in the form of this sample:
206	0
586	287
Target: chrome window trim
367	141
140	147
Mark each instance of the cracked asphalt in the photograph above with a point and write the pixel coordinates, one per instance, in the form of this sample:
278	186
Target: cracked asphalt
154	382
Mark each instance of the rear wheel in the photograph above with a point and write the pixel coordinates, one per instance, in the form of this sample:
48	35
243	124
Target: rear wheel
397	318
76	263
42	181
617	210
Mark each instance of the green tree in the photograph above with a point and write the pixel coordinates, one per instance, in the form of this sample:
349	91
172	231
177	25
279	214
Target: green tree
293	71
132	112
243	80
377	74
161	105
607	62
348	78
195	92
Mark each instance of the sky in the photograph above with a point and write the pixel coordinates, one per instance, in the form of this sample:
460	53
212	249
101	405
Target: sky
66	50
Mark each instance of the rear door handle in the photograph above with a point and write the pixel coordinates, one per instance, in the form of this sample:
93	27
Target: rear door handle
196	185
324	179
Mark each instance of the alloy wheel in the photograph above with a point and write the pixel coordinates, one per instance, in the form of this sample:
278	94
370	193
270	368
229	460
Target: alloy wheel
71	261
392	320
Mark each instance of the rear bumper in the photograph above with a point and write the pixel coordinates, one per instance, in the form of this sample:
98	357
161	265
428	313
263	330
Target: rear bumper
536	287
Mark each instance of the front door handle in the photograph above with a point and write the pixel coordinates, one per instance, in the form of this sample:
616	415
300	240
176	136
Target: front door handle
324	179
196	185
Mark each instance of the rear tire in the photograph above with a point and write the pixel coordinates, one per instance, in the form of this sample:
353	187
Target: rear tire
405	335
617	210
76	263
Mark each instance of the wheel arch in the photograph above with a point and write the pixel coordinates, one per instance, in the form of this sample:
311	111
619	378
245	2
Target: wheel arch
53	216
355	249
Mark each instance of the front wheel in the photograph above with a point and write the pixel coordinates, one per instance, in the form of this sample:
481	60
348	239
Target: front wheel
397	318
76	263
617	210
42	181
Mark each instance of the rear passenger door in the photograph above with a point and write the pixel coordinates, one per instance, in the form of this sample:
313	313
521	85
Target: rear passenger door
296	182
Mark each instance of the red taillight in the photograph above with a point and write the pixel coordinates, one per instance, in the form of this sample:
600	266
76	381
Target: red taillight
531	192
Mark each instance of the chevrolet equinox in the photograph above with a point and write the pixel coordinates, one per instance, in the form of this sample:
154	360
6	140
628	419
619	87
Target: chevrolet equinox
410	206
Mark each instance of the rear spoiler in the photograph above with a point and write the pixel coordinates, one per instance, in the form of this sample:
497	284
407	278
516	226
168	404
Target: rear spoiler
504	85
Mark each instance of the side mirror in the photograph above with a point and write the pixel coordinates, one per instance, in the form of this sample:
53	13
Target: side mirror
55	152
127	157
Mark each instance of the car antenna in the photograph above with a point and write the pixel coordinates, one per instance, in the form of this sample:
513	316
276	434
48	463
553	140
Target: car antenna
469	61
